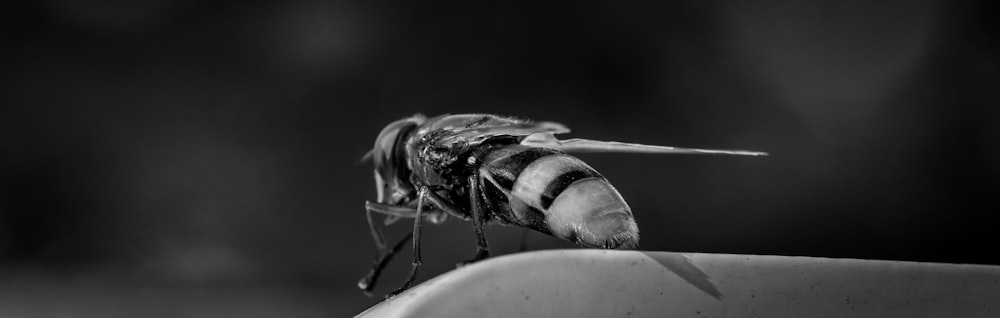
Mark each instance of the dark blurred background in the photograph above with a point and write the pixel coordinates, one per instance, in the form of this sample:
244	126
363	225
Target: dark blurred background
193	158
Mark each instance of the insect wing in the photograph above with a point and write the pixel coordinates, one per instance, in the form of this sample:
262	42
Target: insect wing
473	136
520	129
578	145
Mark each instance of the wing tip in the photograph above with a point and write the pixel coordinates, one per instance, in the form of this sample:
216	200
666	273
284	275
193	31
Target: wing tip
746	153
723	152
755	153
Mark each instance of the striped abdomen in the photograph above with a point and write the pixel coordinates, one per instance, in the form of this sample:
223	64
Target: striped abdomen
558	194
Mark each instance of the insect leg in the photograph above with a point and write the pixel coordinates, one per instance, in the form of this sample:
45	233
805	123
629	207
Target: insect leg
383	255
443	204
395	212
382	258
437	202
368	282
417	221
388	209
478	220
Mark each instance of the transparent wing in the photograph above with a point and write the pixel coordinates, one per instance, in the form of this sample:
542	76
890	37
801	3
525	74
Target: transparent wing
471	137
547	140
518	129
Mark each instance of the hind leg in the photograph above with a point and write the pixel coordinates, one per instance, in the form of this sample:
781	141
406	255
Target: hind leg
478	220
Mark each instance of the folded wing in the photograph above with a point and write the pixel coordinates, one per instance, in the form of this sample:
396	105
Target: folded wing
548	140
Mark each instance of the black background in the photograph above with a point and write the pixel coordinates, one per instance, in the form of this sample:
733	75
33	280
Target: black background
183	157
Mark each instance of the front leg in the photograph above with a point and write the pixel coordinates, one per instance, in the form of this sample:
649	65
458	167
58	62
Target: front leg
417	222
437	202
385	253
382	258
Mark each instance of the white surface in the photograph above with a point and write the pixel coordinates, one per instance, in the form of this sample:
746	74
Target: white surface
607	283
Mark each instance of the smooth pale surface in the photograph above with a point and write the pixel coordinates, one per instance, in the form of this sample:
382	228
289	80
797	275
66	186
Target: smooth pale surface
608	283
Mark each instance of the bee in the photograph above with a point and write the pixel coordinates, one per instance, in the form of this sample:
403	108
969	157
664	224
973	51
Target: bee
490	169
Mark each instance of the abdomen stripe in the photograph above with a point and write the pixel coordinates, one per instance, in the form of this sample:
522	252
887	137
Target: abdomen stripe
564	180
540	182
507	169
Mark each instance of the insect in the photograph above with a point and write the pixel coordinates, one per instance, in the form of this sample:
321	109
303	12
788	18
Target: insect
494	169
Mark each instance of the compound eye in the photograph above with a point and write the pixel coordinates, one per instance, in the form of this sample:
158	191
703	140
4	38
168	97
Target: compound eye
393	137
389	157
